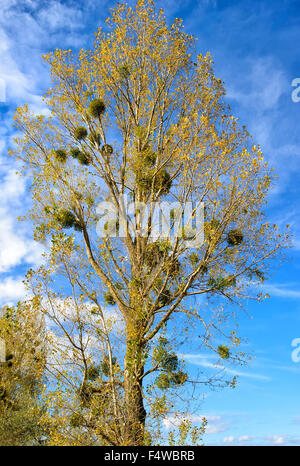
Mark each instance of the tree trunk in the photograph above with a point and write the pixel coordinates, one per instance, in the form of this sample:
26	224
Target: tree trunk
134	369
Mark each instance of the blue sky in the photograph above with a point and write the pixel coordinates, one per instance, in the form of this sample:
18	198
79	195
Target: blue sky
255	48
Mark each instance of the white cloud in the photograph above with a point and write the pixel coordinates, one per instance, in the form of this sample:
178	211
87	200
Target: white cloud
16	247
12	187
283	440
11	290
275	439
16	244
271	440
19	85
244	438
215	424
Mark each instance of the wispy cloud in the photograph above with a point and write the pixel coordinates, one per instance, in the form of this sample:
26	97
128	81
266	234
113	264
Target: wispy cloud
215	424
203	361
57	16
282	290
265	84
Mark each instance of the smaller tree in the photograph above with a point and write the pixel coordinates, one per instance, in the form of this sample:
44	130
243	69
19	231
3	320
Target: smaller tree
22	330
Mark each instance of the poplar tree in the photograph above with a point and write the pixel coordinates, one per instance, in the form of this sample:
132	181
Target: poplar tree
140	117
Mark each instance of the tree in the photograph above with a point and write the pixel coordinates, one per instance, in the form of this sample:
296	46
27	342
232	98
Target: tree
22	330
140	116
